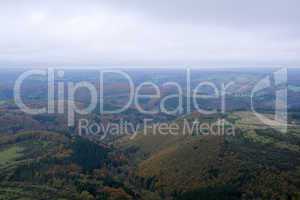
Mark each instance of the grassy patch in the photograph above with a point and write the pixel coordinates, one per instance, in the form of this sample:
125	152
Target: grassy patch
10	154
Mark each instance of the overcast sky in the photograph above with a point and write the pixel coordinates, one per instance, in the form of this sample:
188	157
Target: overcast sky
150	33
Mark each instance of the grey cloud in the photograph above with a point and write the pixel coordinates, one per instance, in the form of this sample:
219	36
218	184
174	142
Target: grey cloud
169	32
254	12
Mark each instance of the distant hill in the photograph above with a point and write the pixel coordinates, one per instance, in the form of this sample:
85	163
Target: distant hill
256	162
219	167
47	165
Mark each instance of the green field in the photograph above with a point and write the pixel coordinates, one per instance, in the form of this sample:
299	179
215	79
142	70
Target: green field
10	154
